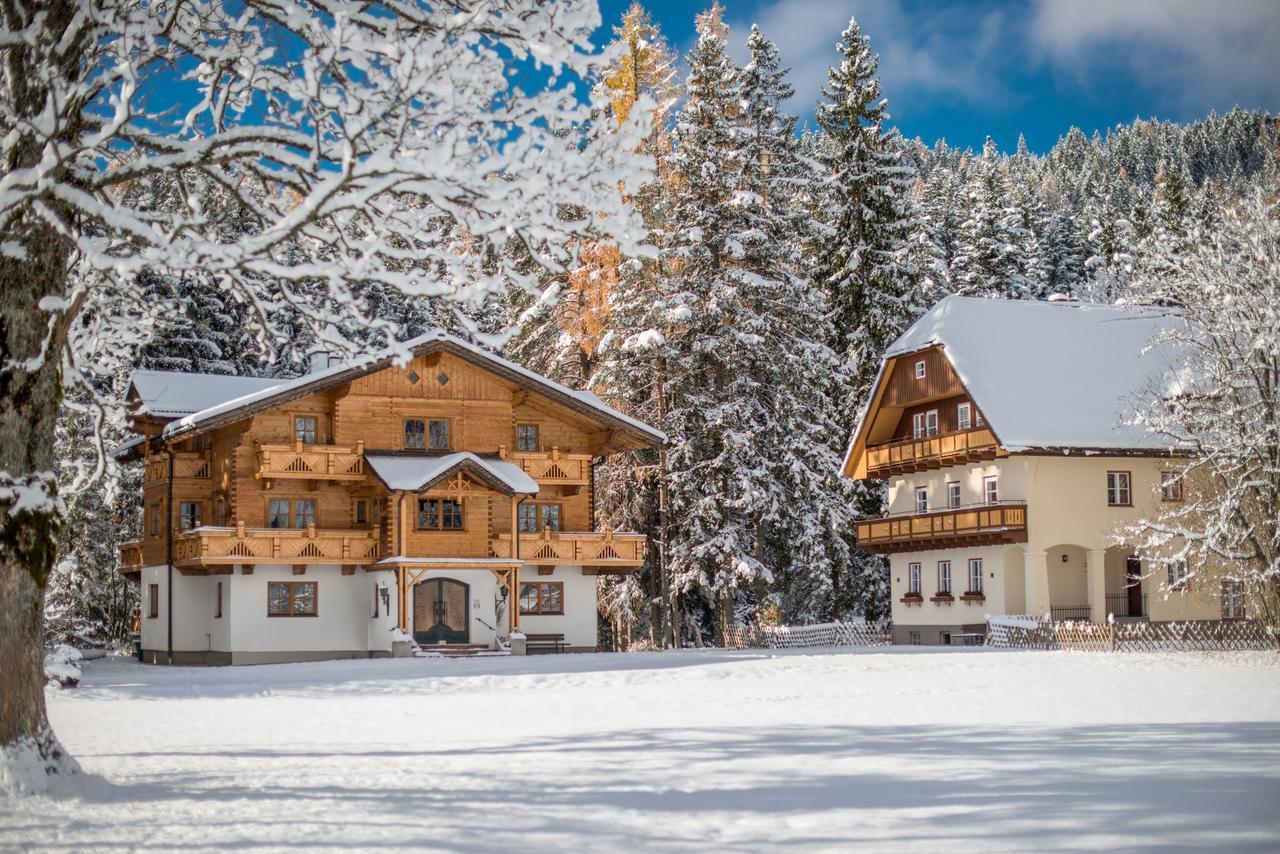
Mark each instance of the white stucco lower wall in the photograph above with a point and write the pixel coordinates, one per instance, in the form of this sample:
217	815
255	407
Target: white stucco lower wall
344	610
193	609
578	622
1002	586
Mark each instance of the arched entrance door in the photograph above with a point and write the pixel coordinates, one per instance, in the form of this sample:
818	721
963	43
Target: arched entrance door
440	611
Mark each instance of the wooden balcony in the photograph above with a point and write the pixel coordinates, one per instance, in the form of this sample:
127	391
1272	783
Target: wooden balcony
186	465
310	462
585	549
131	557
553	467
222	547
981	525
931	452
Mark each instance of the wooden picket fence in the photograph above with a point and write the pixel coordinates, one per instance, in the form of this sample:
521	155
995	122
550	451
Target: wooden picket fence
822	634
1188	635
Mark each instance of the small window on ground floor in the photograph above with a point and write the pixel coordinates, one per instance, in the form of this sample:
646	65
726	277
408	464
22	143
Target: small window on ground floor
915	638
153	601
975	575
945	637
1232	600
1178	574
542	597
944	578
291	599
913	578
217	603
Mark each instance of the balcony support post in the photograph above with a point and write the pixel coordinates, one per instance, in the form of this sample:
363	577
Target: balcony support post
1096	583
1036	574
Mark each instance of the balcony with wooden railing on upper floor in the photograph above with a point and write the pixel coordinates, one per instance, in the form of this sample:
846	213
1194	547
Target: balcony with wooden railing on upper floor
206	547
931	452
553	467
975	525
186	465
300	461
130	557
589	549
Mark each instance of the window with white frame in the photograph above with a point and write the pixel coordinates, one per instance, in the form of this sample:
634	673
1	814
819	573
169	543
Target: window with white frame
913	578
915	638
975	575
1232	600
944	578
931	422
1178	574
991	489
1170	486
964	416
922	499
920	369
953	493
917	426
1118	494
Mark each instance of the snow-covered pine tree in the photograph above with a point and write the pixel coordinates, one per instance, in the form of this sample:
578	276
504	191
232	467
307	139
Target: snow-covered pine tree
992	260
803	529
863	260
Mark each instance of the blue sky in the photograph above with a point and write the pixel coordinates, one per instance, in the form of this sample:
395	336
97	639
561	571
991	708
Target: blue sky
962	70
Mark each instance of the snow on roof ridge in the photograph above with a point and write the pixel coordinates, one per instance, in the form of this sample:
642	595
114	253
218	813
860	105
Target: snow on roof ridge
416	472
404	349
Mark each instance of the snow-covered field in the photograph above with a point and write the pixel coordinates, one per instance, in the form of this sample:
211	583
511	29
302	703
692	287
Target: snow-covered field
898	749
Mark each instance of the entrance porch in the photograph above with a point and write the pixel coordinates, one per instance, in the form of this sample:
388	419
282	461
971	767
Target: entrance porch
1073	582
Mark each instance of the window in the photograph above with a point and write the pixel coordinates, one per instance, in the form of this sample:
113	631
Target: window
1232	600
439	435
361	512
991	489
278	513
922	499
953	493
535	517
913	578
542	597
944	578
1177	574
527	437
217	605
304	429
415	432
964	416
528	517
188	515
977	418
439	514
945	638
291	599
924	424
915	638
1118	489
975	575
920	369
304	512
1170	486
153	601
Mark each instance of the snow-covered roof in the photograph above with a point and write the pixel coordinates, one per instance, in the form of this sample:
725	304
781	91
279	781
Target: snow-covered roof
171	394
366	364
417	473
1051	374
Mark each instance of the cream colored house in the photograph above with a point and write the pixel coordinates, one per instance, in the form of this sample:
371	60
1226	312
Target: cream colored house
1001	429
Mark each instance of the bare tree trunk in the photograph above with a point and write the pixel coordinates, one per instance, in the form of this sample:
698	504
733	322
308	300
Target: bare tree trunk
30	399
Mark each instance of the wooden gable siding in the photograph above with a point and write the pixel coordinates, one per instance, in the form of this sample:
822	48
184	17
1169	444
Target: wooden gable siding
553	432
947	416
939	380
465	381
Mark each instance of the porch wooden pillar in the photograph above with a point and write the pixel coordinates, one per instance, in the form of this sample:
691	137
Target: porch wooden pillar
513	598
400	570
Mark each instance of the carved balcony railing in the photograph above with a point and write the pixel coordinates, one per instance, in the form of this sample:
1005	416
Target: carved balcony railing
552	467
931	452
131	557
587	549
985	524
298	461
186	464
210	546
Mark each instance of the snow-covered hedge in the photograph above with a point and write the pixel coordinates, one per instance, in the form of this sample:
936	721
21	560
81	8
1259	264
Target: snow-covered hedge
62	666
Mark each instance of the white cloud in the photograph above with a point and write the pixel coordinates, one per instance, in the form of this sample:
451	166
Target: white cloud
1197	54
949	53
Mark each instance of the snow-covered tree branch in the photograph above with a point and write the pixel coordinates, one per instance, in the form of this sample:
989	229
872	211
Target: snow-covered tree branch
304	151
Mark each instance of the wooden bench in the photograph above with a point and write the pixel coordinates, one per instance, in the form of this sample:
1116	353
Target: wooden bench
544	643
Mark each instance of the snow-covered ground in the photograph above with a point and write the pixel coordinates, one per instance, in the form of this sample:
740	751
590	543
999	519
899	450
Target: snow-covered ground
898	749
